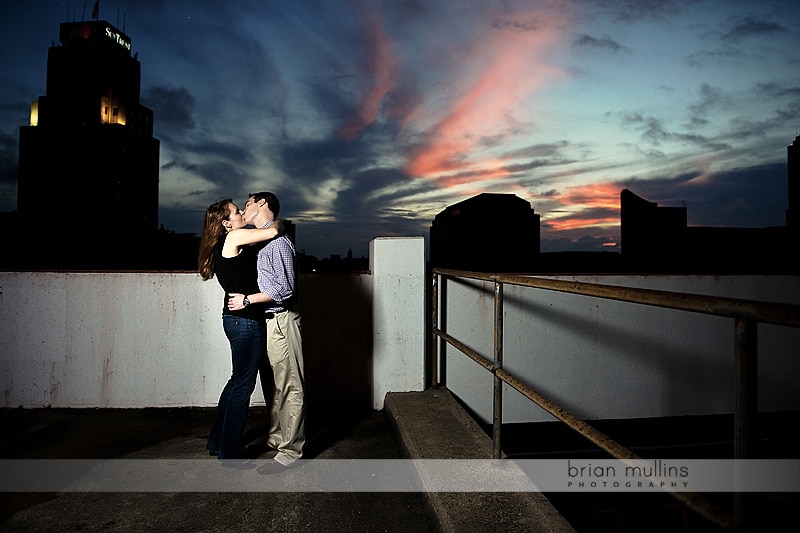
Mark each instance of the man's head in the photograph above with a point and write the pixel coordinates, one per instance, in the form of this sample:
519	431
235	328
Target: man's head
261	208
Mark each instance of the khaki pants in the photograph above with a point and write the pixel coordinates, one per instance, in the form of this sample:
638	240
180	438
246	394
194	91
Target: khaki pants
285	354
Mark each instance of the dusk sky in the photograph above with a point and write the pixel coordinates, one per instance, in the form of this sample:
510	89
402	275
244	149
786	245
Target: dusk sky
367	118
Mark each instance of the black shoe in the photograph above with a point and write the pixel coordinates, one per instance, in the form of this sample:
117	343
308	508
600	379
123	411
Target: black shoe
254	451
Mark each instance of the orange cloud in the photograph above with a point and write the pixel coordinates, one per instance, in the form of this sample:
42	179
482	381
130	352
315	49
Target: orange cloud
513	66
583	199
572	223
594	195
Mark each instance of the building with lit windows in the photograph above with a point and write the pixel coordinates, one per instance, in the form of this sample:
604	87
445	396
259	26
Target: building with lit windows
88	160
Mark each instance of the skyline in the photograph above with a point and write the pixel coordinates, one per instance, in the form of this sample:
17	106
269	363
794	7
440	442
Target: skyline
369	118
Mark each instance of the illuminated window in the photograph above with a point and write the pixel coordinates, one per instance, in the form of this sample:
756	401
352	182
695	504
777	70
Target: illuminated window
111	112
35	113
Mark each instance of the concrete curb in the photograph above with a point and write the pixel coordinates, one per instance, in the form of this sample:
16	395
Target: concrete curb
432	425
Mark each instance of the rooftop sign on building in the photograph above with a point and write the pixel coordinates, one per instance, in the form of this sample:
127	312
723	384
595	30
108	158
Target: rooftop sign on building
95	31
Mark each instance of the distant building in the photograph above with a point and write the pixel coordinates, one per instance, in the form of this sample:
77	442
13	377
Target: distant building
651	235
89	164
488	232
658	239
500	233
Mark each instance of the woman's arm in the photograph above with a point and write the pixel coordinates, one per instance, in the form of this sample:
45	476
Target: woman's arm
237	238
242	236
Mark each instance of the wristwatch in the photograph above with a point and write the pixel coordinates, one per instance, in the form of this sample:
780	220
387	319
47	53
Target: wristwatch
245	302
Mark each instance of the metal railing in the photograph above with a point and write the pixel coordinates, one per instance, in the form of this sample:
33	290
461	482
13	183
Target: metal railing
747	314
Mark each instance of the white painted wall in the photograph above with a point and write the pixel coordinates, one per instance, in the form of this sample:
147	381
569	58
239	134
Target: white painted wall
70	339
604	359
111	340
398	315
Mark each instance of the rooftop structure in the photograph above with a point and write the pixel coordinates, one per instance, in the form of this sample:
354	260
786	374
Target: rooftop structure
489	232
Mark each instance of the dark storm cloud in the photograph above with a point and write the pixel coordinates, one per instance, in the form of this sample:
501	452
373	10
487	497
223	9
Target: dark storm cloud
710	97
748	197
172	105
361	196
751	197
751	27
355	232
539	150
783	118
529	24
362	187
530	165
225	151
654	132
630	11
775	90
739	32
787	101
585	42
704	58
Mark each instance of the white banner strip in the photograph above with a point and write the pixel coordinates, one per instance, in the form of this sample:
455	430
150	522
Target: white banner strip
403	475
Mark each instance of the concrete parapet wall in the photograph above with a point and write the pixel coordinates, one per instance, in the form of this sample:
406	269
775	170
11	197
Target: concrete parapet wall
155	339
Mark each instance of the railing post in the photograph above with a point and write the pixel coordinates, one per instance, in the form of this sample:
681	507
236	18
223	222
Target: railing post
746	415
497	411
746	387
435	337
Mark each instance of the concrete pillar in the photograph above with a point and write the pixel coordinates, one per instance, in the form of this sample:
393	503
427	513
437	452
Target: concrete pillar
398	315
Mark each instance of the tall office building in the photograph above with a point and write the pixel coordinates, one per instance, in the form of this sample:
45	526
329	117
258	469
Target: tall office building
88	161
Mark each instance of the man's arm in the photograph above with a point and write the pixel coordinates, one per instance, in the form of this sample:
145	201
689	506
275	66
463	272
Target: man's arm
276	276
236	300
276	270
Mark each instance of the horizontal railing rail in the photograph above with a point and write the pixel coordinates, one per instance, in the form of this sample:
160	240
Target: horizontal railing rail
747	314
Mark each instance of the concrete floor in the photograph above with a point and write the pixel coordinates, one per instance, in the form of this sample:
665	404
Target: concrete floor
181	434
416	425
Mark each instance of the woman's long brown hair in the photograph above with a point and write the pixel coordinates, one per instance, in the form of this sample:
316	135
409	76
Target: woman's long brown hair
212	231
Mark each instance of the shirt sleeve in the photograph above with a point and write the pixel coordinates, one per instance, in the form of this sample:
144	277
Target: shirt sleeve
276	269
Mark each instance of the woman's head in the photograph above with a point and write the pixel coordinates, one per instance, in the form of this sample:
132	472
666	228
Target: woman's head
221	217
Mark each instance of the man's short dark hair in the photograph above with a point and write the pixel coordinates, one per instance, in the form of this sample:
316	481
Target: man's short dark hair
272	201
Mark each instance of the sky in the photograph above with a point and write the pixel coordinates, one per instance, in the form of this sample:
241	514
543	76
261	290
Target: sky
369	117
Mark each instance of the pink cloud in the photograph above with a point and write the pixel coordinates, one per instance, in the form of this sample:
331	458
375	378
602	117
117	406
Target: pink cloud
510	58
594	195
583	199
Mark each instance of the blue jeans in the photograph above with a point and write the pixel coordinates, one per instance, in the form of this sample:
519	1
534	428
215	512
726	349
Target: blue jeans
247	340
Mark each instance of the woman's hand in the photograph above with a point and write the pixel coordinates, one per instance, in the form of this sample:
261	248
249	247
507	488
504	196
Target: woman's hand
236	301
278	224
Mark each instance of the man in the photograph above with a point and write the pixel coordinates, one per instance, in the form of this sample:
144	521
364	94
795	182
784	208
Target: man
276	279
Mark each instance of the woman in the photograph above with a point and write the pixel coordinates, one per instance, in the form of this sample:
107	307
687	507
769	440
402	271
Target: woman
224	252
